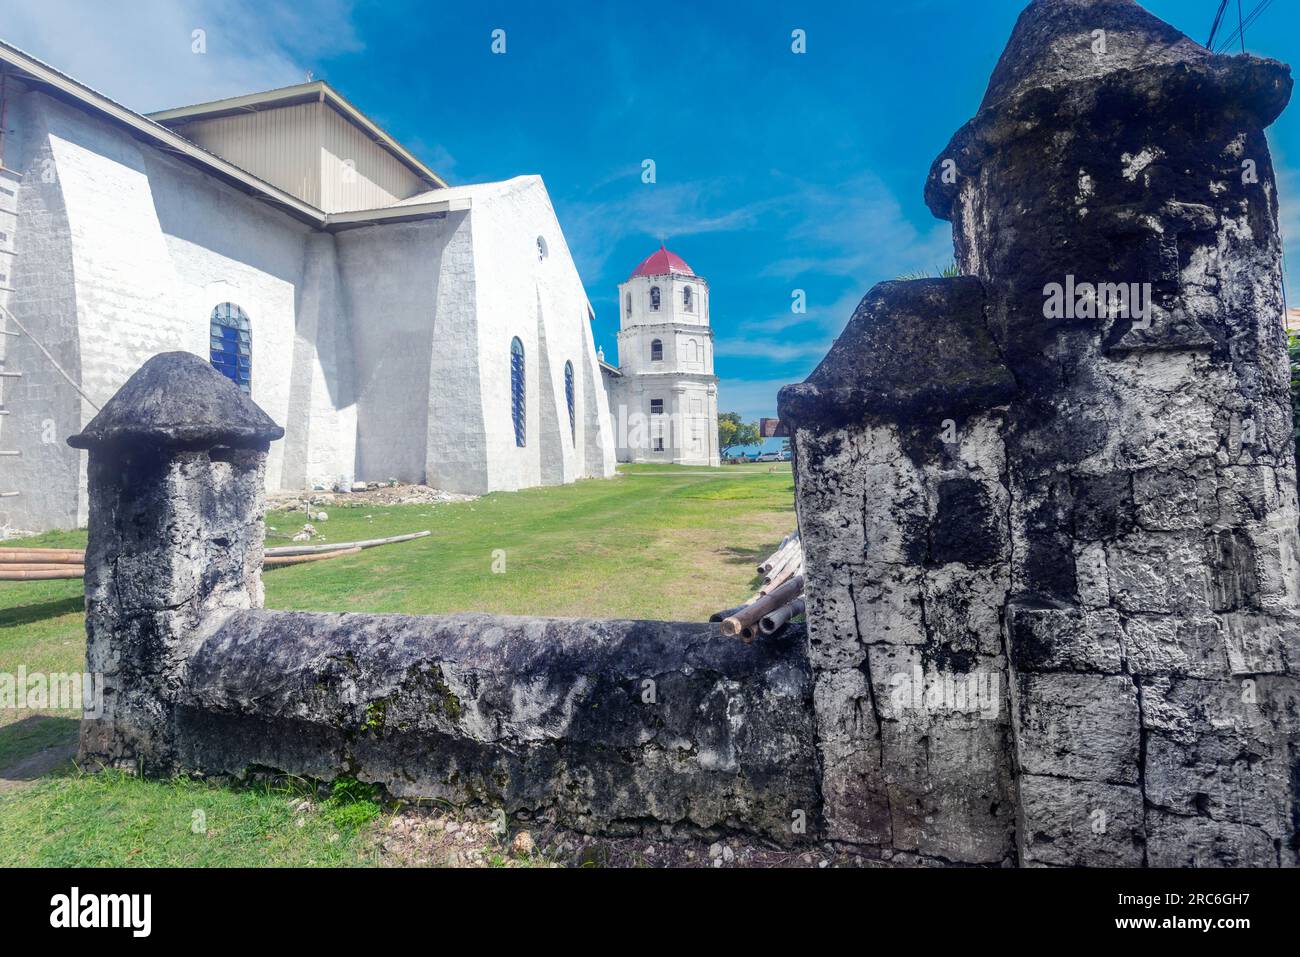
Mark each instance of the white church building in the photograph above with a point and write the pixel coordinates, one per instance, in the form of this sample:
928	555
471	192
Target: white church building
663	395
396	326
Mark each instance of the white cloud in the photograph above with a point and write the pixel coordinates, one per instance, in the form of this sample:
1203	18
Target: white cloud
141	53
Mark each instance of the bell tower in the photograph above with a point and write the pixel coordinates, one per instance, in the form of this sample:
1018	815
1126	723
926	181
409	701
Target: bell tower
665	401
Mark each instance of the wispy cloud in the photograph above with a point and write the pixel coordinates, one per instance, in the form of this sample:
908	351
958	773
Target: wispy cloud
771	350
857	229
249	45
657	211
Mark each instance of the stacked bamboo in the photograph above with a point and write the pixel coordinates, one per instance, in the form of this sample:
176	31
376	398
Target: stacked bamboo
31	564
35	564
779	600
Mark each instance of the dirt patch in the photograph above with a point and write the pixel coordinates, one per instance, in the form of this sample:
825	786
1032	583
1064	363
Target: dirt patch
28	770
381	493
433	837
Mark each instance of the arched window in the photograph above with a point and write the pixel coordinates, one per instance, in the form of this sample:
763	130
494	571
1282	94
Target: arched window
231	345
629	305
541	248
517	397
568	397
688	303
692	351
656	350
654	298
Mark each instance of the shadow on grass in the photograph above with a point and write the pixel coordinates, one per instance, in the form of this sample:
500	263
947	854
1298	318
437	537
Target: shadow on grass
36	745
30	614
736	555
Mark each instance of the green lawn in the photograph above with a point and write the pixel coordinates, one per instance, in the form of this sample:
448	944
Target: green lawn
656	542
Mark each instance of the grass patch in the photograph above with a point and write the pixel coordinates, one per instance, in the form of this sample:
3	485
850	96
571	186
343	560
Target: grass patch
115	820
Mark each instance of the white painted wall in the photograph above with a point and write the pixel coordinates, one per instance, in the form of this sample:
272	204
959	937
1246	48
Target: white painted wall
392	282
384	350
541	300
43	409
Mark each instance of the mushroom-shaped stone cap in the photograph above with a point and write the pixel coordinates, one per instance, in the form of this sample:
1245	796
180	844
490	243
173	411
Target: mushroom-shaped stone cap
1066	61
1061	41
915	353
177	400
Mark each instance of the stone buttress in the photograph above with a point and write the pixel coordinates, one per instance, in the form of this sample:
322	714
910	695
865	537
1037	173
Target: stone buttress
1114	215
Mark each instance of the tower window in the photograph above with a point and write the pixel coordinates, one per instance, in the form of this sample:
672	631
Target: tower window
517	395
568	397
654	298
629	305
231	345
688	301
656	406
541	248
656	350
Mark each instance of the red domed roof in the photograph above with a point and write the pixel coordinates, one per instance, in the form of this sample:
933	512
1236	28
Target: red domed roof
660	263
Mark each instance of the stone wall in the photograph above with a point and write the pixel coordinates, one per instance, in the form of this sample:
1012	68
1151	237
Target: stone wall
608	726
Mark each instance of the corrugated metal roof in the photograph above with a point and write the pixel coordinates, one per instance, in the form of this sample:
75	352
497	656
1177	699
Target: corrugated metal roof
316	90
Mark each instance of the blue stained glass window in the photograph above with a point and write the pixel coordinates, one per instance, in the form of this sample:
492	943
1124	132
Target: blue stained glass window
517	396
231	345
568	396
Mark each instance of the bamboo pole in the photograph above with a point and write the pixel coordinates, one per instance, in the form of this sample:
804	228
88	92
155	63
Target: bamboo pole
77	556
766	564
41	566
48	572
790	571
717	616
57	556
781	555
281	550
280	561
747	617
774	621
781	571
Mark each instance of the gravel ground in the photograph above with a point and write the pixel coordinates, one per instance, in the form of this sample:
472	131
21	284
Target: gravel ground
434	837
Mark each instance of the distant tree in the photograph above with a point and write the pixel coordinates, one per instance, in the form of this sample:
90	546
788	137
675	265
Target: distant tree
733	433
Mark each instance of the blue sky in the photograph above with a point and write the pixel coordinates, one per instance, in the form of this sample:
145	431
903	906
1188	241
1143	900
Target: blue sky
775	171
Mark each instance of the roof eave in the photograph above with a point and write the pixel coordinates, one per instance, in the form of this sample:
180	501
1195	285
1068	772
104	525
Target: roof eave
66	87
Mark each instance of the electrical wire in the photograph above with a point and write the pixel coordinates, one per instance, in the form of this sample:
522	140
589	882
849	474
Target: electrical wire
1218	21
1240	32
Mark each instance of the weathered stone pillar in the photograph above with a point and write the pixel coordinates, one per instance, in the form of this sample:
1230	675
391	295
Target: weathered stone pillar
900	479
176	484
1115	203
